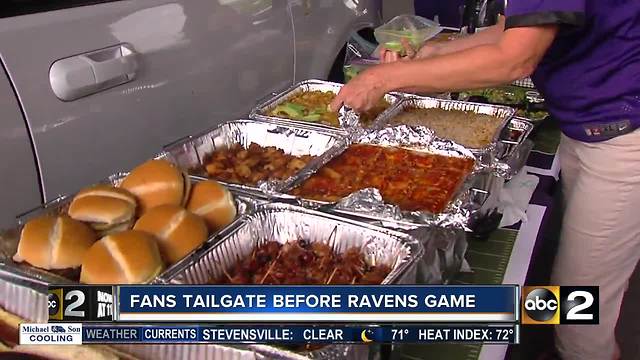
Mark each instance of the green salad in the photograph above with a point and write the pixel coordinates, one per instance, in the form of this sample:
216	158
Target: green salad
503	95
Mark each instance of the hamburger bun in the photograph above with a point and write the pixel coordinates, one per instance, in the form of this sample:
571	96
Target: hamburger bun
128	257
157	182
51	242
105	208
213	202
177	230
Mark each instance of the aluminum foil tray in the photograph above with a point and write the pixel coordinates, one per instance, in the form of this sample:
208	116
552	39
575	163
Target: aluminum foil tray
485	155
293	139
283	222
9	239
514	135
368	204
332	352
348	118
27	298
188	352
21	295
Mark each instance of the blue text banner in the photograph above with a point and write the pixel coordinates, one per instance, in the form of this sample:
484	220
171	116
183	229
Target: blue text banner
286	304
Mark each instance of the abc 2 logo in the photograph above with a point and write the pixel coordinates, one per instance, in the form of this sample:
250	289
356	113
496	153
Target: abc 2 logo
552	305
80	303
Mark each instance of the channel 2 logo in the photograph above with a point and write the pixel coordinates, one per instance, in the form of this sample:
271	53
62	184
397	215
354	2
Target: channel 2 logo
80	303
54	302
551	305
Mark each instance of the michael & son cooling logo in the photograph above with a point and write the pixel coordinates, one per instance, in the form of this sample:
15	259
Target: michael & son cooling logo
51	334
552	305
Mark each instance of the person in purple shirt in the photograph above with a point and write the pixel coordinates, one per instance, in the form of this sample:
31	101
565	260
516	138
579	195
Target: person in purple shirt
584	56
449	12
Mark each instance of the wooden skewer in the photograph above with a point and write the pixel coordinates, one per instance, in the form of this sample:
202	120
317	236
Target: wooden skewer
273	264
331	276
332	234
227	274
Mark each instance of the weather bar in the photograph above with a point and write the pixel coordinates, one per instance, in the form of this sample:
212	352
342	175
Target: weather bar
300	334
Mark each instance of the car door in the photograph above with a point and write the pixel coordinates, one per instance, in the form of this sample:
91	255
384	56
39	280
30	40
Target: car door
193	65
322	29
19	188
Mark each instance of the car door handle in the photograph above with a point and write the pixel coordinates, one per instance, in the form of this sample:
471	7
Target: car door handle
81	75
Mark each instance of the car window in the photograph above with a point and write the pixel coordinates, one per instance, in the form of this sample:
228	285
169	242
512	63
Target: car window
10	8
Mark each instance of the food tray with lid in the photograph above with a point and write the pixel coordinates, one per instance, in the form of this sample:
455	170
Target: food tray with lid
282	223
244	202
298	140
484	154
368	203
348	118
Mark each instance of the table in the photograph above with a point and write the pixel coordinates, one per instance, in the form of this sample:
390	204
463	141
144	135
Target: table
505	257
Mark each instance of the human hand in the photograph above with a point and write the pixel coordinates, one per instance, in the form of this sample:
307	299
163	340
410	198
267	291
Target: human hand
427	51
389	56
362	92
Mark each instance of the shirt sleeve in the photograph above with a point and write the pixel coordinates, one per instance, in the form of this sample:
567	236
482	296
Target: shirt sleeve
522	13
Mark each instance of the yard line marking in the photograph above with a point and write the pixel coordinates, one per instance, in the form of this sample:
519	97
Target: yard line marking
485	253
488	270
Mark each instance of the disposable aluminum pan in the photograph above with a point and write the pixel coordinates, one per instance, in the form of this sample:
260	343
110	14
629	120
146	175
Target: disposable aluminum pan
10	239
283	222
27	299
484	155
22	295
188	352
348	118
508	164
293	139
368	203
513	138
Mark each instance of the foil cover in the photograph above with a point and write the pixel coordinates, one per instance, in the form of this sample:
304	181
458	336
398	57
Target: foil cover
486	155
368	203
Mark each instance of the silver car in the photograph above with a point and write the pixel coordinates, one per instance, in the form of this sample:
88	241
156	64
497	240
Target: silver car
92	87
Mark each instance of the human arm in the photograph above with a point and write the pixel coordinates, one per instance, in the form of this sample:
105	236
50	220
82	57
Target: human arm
514	56
490	35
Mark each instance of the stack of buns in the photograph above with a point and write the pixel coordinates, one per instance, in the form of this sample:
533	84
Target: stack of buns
151	221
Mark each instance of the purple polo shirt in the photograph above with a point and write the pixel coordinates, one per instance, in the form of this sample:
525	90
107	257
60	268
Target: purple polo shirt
590	77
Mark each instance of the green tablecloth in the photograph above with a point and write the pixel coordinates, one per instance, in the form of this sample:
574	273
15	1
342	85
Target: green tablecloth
488	260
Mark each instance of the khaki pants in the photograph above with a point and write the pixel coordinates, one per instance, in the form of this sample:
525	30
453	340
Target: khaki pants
600	240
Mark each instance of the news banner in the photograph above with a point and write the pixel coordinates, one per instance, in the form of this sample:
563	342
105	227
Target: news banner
385	314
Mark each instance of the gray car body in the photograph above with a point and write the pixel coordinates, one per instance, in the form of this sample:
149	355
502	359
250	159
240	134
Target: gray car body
200	63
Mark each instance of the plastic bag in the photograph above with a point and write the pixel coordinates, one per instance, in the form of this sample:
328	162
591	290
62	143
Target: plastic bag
415	29
515	197
359	56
